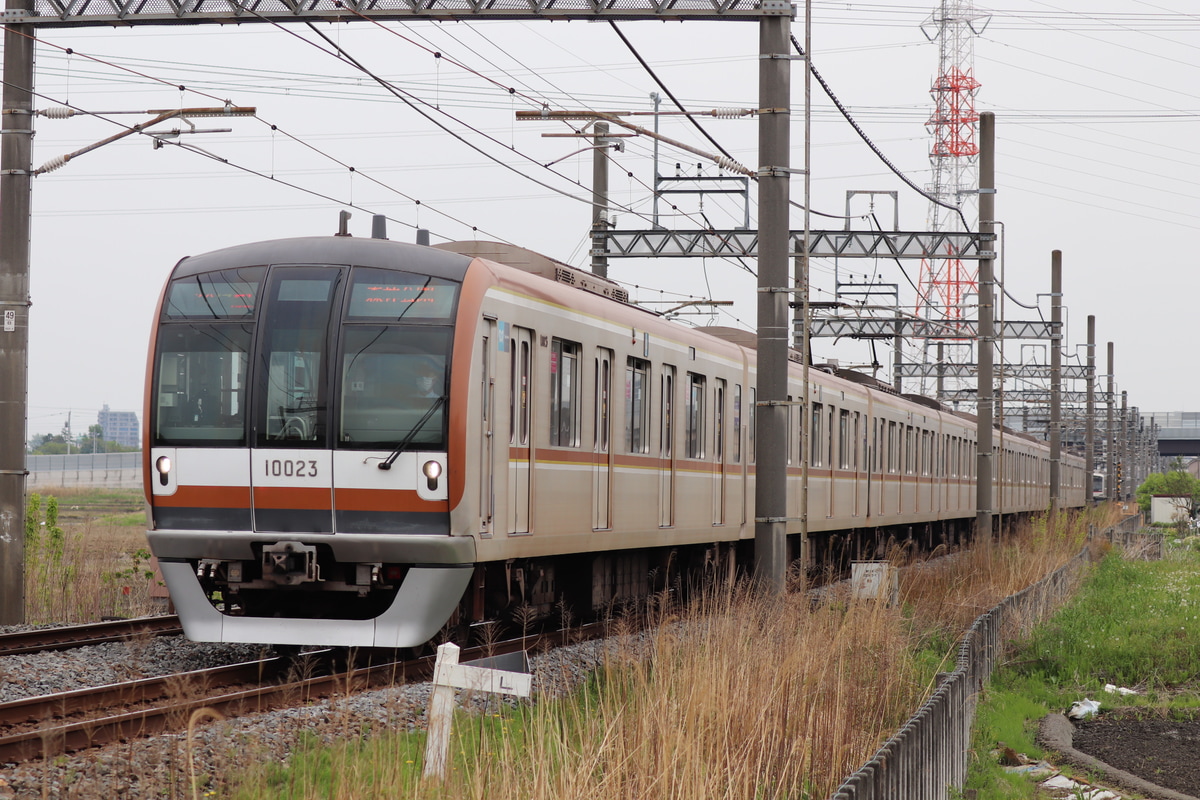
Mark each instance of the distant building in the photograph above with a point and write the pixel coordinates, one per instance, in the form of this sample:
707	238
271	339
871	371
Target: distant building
120	427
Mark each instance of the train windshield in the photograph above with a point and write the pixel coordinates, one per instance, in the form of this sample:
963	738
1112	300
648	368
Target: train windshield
201	381
392	376
303	380
292	358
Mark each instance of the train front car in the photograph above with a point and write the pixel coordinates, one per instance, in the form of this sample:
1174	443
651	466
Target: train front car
299	408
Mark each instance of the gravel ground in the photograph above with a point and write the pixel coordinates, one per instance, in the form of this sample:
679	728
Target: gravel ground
161	767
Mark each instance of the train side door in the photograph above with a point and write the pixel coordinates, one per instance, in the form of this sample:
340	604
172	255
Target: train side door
520	401
666	451
487	399
602	443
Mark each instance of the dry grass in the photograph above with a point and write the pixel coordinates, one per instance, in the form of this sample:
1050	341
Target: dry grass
739	697
86	558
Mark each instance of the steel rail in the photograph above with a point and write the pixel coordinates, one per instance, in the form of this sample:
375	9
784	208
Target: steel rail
70	636
162	710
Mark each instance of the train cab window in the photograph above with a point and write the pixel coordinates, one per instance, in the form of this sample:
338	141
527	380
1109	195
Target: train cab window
694	416
637	406
393	386
564	393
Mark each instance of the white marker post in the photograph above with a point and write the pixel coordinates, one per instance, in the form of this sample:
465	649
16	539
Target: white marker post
449	675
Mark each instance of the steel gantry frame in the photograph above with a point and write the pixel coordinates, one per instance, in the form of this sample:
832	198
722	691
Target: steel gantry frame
80	13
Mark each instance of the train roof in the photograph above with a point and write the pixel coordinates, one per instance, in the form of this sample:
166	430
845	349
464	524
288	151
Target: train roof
537	264
364	252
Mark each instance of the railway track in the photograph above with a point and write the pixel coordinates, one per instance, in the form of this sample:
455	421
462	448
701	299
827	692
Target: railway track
48	725
70	636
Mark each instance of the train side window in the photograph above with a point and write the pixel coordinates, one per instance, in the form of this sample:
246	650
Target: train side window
815	435
564	393
637	406
694	414
737	423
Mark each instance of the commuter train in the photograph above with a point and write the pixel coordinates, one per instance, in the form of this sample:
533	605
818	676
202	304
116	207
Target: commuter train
356	442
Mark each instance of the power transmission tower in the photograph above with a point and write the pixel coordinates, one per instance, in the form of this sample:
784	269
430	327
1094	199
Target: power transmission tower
947	281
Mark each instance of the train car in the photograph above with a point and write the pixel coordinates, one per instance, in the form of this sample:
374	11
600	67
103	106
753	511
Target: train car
354	442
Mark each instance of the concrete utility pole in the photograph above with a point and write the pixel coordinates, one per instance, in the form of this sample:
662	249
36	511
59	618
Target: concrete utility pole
16	153
1056	340
987	336
1124	447
600	200
1090	436
1110	482
774	147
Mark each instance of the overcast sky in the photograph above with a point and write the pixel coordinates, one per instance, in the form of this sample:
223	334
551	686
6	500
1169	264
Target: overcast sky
1096	156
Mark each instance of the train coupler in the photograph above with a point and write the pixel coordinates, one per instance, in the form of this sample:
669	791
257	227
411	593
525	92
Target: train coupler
290	563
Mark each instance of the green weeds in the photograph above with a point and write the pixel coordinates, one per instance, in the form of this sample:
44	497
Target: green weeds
1134	624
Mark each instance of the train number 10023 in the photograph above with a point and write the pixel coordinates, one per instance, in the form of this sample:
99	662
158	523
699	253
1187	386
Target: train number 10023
287	468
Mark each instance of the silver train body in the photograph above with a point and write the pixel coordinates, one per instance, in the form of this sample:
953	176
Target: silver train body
354	442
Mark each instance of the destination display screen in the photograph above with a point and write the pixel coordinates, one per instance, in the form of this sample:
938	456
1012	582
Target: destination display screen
228	294
380	294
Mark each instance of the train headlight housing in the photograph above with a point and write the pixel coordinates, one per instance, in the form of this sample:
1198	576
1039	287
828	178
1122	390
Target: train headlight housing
432	471
163	465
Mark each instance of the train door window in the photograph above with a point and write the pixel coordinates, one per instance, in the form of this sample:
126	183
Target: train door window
791	428
518	399
564	393
815	435
737	423
600	434
637	406
830	455
753	412
666	430
719	420
854	456
909	454
695	416
292	383
885	447
845	439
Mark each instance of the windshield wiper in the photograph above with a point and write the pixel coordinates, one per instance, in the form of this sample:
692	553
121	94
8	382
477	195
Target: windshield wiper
404	443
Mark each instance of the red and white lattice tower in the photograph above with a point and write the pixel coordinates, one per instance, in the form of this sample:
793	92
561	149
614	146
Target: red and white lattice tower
946	282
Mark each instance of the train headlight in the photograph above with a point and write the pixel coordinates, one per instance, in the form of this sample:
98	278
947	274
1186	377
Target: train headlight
163	465
432	471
